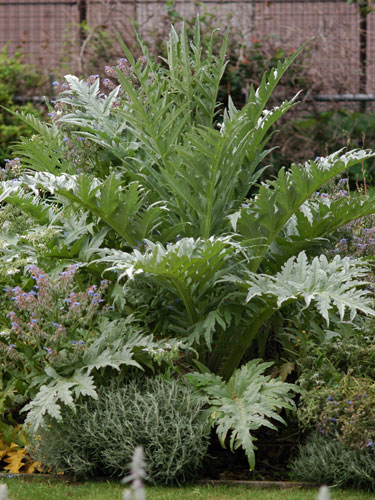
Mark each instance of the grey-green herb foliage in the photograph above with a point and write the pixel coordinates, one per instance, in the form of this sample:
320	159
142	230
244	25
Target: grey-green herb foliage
180	216
326	460
163	416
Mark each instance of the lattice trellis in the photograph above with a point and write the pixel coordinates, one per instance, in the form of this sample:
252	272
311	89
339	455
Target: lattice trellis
44	28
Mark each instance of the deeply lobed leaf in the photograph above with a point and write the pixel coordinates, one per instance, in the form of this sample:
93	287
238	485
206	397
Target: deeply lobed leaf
246	402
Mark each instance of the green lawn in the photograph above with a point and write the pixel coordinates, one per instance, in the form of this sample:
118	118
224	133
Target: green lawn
35	489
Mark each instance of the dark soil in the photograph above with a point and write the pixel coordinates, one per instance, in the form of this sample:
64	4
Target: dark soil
275	452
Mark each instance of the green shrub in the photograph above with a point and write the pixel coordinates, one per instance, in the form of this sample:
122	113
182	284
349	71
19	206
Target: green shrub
344	411
161	415
16	79
316	133
323	357
329	461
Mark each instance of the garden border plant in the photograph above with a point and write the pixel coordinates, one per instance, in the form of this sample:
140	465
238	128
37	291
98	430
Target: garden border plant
201	254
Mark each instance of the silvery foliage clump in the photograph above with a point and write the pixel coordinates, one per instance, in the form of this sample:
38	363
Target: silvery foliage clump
203	251
326	460
164	416
136	477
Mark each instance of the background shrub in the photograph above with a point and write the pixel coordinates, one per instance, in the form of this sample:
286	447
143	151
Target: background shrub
16	79
161	415
328	461
344	411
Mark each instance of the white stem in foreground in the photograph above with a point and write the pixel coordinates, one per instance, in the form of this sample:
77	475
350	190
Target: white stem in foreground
137	475
4	492
323	493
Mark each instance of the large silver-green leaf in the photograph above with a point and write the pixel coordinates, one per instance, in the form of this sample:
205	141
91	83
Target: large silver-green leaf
316	219
121	207
261	221
58	391
188	267
248	401
335	285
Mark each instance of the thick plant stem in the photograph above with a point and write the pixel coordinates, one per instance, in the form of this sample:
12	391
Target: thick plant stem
233	360
187	300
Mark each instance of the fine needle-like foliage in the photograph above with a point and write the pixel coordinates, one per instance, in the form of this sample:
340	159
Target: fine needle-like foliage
172	202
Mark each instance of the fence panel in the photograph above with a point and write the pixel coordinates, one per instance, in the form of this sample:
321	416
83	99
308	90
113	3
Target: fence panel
39	28
45	28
